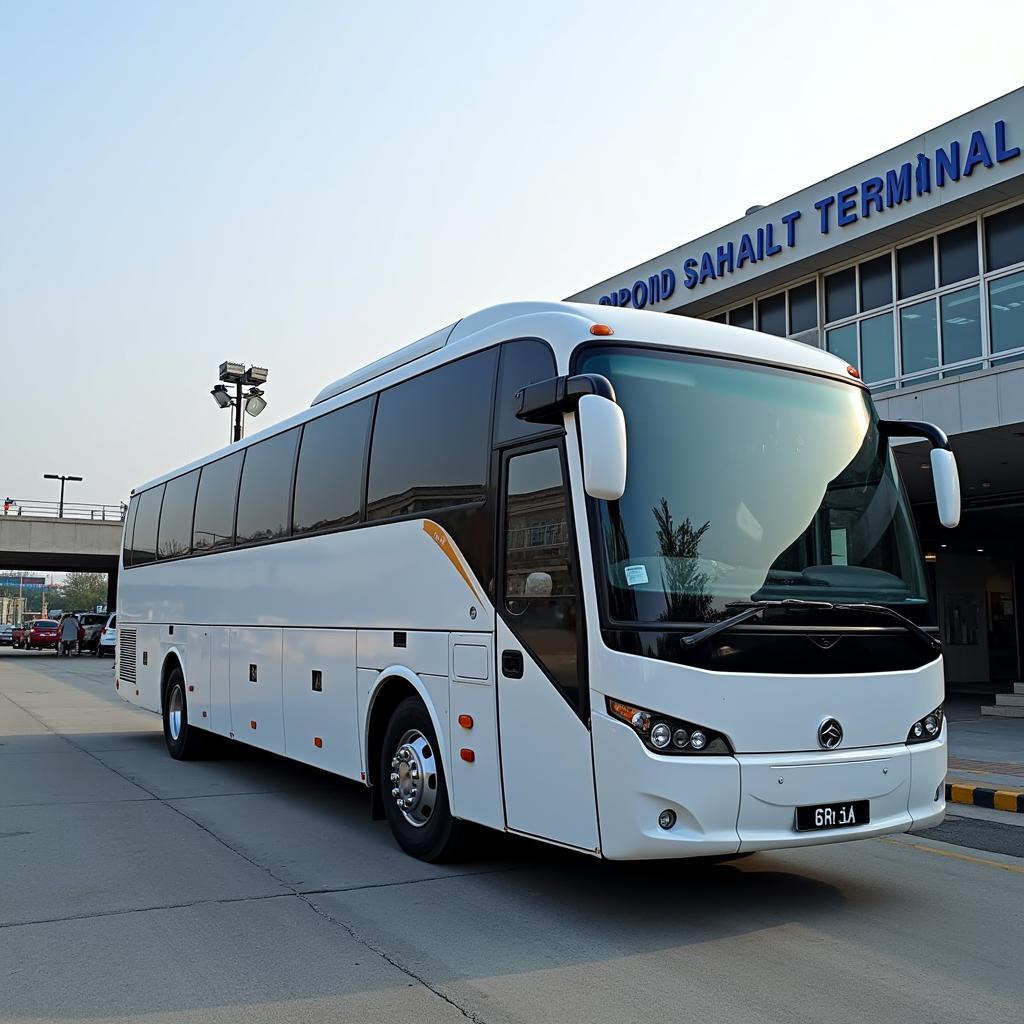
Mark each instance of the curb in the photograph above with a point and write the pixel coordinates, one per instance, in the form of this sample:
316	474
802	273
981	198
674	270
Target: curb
984	796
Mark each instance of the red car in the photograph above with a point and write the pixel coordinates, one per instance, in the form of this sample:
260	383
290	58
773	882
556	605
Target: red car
42	633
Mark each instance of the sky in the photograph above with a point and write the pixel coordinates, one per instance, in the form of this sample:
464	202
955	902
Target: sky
306	186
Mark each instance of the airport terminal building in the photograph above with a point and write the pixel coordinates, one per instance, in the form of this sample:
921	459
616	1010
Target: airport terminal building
910	266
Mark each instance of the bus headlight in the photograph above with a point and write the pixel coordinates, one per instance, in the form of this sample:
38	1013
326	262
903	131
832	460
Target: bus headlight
666	735
927	728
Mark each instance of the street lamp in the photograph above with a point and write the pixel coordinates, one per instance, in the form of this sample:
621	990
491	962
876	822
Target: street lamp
62	479
253	401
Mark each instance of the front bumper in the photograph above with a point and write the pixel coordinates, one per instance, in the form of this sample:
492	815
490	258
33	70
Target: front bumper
747	802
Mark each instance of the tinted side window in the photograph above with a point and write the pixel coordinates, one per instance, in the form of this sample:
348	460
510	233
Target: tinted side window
266	488
215	504
329	480
540	586
146	519
175	537
522	362
129	529
431	440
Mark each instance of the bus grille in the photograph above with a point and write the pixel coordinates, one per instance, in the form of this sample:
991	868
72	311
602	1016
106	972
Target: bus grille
126	654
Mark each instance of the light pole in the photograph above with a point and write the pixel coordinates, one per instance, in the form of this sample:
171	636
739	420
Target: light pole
62	479
254	403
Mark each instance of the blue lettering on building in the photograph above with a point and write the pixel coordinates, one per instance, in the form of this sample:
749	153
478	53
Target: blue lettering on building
948	164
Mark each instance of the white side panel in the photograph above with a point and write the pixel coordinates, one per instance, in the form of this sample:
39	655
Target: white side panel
547	767
147	680
197	677
256	712
327	714
423	652
220	675
405	576
474	787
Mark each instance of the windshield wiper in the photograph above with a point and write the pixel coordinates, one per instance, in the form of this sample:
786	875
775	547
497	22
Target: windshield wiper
753	608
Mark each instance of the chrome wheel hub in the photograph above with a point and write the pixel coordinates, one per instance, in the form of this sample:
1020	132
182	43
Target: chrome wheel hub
175	706
414	778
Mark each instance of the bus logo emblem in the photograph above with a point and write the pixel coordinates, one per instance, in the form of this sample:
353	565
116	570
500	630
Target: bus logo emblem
830	734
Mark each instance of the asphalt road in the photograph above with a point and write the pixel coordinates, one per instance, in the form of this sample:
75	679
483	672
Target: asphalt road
247	889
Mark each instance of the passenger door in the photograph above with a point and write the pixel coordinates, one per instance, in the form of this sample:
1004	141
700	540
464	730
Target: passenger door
547	767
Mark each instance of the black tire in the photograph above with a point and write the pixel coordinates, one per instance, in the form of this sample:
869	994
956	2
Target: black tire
188	743
440	837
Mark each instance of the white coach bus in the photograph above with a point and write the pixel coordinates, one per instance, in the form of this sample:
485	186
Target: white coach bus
443	581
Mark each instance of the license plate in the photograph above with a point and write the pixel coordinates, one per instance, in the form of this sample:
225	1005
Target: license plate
822	816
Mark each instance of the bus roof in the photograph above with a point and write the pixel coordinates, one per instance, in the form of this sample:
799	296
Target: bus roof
627	324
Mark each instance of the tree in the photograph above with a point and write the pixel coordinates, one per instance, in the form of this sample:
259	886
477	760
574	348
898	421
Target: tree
80	591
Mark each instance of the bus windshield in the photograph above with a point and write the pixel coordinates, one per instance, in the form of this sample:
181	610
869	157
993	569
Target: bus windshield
747	482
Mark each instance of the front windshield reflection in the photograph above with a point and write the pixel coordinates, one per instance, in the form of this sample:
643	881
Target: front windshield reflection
747	482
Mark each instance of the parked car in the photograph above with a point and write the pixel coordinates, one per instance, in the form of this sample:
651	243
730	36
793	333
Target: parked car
42	633
92	626
7	635
108	638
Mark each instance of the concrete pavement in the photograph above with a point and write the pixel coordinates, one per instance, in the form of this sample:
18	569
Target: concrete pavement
137	888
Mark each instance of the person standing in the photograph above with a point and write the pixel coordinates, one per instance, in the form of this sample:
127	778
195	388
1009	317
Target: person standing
68	634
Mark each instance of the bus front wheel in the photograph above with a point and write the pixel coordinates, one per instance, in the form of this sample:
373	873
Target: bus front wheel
413	787
183	742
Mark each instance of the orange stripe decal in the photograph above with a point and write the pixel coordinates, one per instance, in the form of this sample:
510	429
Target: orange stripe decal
447	545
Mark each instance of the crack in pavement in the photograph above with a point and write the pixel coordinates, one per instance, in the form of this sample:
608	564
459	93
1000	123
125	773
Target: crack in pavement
291	890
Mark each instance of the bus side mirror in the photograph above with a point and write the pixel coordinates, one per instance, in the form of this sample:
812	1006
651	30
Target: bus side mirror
946	481
945	478
603	438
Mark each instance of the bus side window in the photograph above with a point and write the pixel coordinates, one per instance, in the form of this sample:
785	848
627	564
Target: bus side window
541	604
214	524
129	530
146	519
522	362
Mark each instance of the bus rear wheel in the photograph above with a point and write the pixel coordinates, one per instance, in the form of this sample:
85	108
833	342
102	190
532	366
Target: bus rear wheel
413	787
184	743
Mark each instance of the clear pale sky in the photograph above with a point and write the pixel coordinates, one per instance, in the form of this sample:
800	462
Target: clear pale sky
306	185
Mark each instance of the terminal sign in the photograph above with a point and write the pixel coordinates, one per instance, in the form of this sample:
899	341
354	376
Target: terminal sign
860	201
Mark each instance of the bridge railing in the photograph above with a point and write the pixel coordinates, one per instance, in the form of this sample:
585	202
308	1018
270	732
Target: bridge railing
70	510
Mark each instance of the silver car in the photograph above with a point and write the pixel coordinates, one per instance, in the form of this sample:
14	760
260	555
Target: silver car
7	635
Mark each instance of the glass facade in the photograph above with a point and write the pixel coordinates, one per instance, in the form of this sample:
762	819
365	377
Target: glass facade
939	306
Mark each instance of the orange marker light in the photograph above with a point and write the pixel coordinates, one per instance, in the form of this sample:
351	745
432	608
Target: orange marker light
601	330
466	721
853	372
252	724
467	755
317	742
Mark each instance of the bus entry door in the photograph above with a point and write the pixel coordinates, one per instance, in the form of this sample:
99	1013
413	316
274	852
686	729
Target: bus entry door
547	767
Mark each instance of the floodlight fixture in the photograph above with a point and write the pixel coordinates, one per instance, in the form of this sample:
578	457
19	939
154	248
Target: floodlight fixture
221	396
256	375
255	402
232	373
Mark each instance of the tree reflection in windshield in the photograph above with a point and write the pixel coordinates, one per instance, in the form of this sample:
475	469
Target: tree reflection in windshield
681	579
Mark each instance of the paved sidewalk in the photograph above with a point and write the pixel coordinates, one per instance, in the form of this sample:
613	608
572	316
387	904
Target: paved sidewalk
986	757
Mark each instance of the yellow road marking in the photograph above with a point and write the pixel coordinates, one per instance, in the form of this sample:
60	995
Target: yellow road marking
1015	868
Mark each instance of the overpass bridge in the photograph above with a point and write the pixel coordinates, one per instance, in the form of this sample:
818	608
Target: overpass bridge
84	538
